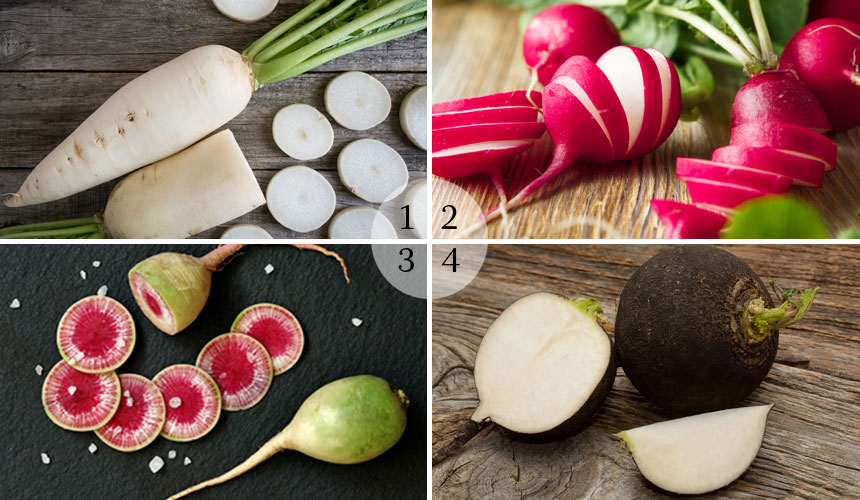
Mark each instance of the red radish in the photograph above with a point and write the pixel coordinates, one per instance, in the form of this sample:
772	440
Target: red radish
240	366
778	96
824	56
683	221
562	31
500	100
454	137
721	196
486	157
193	402
80	401
689	168
841	9
671	87
277	329
803	171
788	139
96	335
508	114
140	416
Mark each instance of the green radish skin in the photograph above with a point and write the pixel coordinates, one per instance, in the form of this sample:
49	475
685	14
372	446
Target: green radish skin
348	421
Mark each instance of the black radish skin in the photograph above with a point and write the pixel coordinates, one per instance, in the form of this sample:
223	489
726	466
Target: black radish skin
681	332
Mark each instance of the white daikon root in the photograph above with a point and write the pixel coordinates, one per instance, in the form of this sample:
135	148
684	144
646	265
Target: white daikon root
416	199
245	11
245	232
208	184
357	101
360	223
302	132
372	170
413	116
300	199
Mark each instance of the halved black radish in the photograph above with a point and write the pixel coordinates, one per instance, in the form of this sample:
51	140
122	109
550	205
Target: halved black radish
240	366
96	335
140	416
544	367
277	329
193	402
80	401
698	454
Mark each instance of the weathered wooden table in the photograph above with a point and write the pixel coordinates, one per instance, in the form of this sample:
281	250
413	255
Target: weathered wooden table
811	446
59	60
477	51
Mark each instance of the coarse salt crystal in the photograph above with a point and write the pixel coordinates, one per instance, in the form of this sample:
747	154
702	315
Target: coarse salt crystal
83	274
46	459
39	370
269	268
174	402
250	357
171	454
15	304
72	390
126	394
357	321
96	263
92	448
156	464
117	430
186	461
102	291
129	402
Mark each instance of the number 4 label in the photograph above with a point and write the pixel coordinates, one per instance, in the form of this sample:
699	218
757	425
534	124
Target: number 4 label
451	260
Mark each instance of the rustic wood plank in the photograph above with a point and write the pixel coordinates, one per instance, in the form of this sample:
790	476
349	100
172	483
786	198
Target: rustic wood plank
476	51
75	35
812	443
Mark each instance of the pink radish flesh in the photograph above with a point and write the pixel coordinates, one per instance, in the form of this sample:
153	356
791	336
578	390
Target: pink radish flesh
240	366
96	334
804	171
824	54
80	401
506	114
485	132
456	163
193	402
692	168
503	99
788	139
684	221
718	195
562	31
277	330
778	96
140	416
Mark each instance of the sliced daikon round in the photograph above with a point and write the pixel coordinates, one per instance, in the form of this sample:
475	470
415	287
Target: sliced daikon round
302	132
357	101
372	170
416	198
245	11
245	232
300	199
360	223
413	116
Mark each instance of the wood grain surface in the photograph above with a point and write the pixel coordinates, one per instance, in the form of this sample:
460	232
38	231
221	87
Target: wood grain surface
811	447
477	51
59	60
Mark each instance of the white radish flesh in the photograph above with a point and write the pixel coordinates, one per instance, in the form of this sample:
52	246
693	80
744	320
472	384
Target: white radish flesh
154	116
416	199
413	116
245	11
372	170
208	184
357	101
360	223
698	454
245	232
300	199
302	132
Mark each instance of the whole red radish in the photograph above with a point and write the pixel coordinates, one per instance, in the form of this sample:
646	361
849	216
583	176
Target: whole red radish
840	9
778	96
562	31
824	55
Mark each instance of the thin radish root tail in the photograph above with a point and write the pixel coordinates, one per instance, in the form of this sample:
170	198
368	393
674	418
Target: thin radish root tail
326	252
12	196
855	78
534	79
221	256
503	199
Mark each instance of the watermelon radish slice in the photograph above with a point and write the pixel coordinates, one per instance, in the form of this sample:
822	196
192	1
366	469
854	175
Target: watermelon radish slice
240	366
80	401
277	329
96	335
140	416
193	402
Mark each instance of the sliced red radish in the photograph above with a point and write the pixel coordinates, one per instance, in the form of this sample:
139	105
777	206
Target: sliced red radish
193	402
508	114
778	96
96	334
671	89
684	221
453	137
478	158
803	171
788	138
80	401
515	98
277	329
240	366
140	416
720	196
693	168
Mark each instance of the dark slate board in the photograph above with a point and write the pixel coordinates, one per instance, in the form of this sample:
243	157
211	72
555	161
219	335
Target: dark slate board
391	343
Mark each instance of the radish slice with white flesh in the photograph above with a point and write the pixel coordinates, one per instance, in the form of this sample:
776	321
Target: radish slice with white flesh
804	171
508	114
245	11
671	89
245	232
372	170
241	367
357	101
416	200
454	137
193	402
465	161
698	454
544	367
684	221
502	99
300	199
788	138
302	132
688	168
413	116
360	223
721	196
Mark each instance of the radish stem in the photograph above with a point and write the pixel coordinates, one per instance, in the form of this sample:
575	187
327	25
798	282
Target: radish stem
47	225
736	27
282	28
709	53
768	55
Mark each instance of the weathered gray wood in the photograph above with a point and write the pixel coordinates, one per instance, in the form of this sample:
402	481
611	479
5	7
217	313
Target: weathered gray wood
812	443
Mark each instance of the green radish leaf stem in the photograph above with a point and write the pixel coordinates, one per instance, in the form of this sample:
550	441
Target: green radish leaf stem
763	320
83	227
